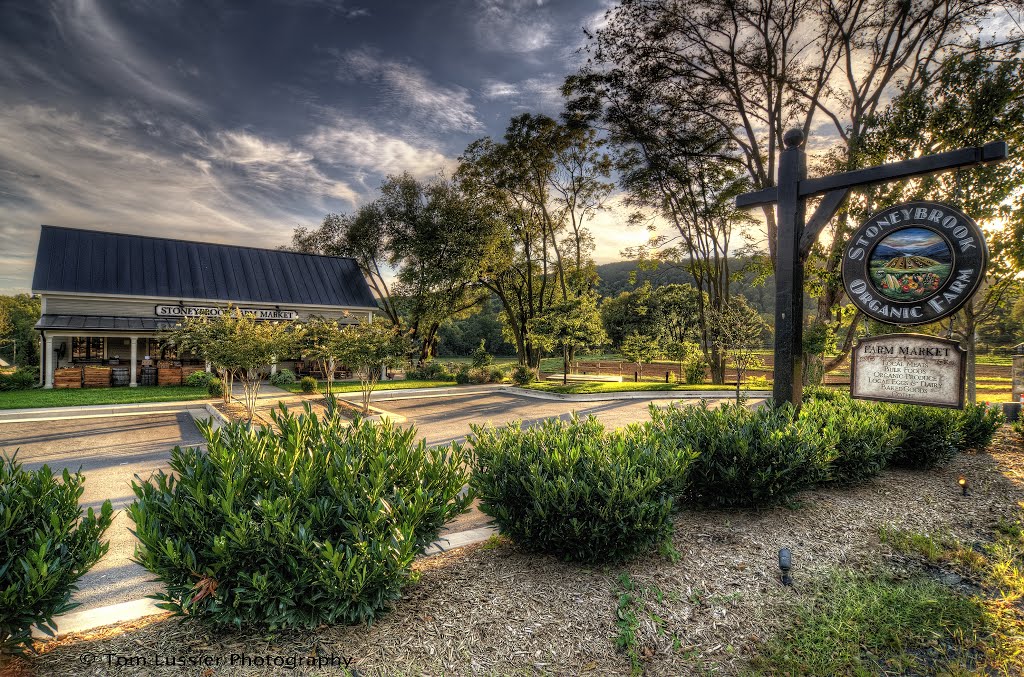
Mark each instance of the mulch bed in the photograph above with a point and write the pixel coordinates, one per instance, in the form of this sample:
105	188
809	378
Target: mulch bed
493	609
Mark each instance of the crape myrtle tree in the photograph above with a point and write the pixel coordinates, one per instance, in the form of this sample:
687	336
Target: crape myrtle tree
749	69
969	100
368	348
641	349
567	326
739	332
320	340
538	187
238	346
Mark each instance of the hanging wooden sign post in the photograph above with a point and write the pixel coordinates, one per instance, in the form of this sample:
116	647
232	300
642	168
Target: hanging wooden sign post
795	237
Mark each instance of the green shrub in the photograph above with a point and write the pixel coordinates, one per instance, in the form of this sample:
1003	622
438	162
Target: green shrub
305	522
746	459
694	372
463	375
430	371
282	378
932	435
215	387
865	440
1018	427
574	491
308	384
498	374
978	425
199	379
522	375
482	358
46	545
19	379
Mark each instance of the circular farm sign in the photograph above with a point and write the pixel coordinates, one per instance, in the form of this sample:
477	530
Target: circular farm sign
914	263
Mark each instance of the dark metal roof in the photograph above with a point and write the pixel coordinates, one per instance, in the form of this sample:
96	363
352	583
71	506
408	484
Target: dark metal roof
104	322
95	262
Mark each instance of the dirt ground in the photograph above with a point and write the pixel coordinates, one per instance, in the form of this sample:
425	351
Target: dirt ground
492	609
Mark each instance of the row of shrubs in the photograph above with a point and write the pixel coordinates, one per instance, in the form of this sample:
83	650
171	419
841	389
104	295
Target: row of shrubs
312	520
574	490
478	373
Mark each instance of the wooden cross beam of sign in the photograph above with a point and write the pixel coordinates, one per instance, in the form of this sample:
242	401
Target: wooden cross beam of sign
795	237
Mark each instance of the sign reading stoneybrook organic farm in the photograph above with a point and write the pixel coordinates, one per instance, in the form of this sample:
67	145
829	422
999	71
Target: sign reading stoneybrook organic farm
212	311
914	263
909	368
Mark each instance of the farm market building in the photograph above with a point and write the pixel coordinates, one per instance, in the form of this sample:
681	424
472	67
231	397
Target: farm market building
108	299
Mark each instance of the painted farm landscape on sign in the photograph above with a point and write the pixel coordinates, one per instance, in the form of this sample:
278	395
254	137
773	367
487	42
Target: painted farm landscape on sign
910	264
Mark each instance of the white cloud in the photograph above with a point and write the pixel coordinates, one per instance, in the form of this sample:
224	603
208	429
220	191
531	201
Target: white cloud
114	57
404	85
63	169
541	93
520	26
355	145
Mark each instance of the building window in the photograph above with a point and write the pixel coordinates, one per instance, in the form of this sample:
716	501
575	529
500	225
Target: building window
87	348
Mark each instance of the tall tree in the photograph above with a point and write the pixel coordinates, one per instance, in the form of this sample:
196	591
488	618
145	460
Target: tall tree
971	99
754	68
539	186
426	238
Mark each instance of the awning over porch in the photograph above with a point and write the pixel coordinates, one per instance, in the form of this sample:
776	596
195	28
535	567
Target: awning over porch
103	323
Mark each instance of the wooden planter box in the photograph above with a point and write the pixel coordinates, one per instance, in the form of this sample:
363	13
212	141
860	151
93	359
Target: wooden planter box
168	376
97	377
69	377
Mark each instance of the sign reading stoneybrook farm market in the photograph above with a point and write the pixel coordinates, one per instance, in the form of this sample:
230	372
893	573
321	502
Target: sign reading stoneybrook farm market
212	311
909	368
914	263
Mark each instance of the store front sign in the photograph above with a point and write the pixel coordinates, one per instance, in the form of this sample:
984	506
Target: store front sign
914	263
213	311
909	368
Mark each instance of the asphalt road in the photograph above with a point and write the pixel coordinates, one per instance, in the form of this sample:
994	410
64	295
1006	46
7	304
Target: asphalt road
110	451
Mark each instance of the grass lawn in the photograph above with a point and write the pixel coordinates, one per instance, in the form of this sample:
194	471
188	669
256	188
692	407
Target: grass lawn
353	386
626	386
77	397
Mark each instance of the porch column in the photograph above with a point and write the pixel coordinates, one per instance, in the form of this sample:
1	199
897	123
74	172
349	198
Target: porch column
273	367
49	362
209	367
135	358
42	360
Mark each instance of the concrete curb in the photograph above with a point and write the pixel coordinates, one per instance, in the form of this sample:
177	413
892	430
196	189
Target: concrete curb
97	411
639	395
133	610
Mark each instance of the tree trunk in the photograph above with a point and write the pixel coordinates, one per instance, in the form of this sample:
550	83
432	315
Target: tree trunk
565	366
717	365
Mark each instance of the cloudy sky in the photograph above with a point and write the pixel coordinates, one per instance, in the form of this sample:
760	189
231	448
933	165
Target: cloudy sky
235	122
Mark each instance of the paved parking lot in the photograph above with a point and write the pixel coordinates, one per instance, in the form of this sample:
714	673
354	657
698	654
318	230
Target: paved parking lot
110	451
443	419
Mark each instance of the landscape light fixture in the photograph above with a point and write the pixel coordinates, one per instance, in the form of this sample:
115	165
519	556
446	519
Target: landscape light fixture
786	563
963	484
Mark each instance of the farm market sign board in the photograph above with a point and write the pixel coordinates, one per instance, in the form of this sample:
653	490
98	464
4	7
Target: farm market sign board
914	263
212	311
909	368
